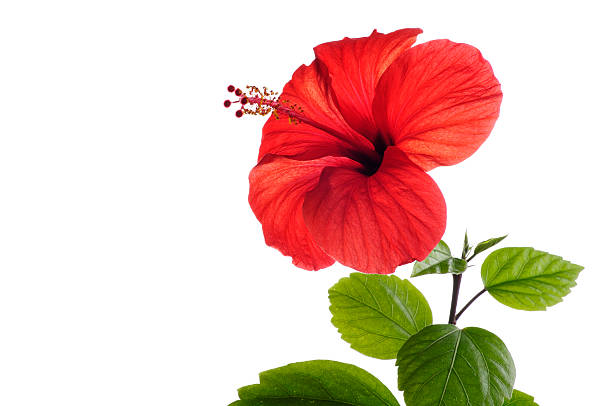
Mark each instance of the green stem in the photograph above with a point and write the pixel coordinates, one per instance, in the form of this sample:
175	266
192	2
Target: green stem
470	258
472	300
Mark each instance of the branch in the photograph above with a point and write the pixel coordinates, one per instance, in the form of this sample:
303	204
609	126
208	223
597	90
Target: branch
472	300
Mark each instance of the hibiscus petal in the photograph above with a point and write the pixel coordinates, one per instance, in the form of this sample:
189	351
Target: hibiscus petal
309	91
355	65
376	223
276	195
438	102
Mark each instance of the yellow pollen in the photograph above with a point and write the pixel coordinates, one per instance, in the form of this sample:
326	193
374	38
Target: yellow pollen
262	102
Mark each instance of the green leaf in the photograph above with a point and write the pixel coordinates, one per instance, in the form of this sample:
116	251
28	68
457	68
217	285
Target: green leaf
527	279
376	314
325	383
440	261
466	247
443	365
520	399
485	245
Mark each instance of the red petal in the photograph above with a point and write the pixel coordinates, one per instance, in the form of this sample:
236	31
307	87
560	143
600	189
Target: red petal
438	102
374	224
355	65
308	89
276	195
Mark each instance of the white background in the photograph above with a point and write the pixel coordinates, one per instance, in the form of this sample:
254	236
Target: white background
132	270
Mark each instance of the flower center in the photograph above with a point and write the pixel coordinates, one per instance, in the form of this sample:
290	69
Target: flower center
262	102
371	165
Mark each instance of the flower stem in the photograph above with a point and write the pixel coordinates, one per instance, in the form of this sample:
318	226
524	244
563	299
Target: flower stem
472	300
452	319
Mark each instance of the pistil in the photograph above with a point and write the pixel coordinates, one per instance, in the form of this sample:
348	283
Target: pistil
263	102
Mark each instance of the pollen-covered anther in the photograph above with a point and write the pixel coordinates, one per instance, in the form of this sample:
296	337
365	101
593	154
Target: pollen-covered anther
261	102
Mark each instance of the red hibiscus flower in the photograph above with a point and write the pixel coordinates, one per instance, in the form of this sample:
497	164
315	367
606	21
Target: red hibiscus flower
344	178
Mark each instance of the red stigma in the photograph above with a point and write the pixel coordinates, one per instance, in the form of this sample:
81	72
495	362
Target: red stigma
261	102
231	88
